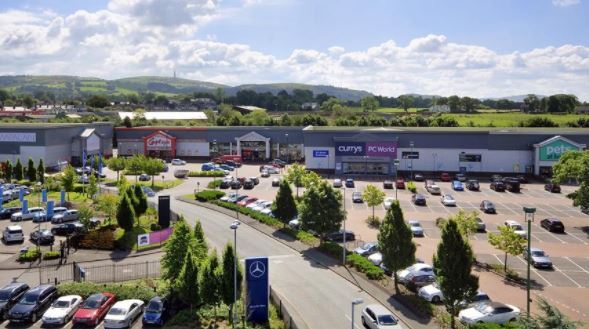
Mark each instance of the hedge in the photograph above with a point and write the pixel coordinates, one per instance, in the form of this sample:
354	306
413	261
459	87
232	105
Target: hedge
50	255
102	239
251	213
29	256
363	265
122	291
208	195
216	183
212	173
411	187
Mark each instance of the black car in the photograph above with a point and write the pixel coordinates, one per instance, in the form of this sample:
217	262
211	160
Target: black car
418	281
225	184
522	179
233	163
235	185
487	207
275	182
388	184
553	188
418	177
248	184
255	179
33	303
418	199
67	228
9	295
498	186
473	185
42	237
349	183
357	197
512	184
552	225
495	178
339	236
5	213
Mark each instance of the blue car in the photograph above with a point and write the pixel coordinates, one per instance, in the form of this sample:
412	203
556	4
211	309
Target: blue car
207	167
226	167
148	191
155	312
457	186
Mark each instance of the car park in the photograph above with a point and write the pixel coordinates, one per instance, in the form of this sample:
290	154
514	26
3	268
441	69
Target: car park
487	207
350	183
518	229
388	202
493	312
10	294
552	225
416	228
337	182
460	177
144	178
481	226
457	185
552	188
32	304
418	177
13	233
123	313
498	186
415	269
378	317
445	177
19	216
66	216
42	237
538	258
339	236
93	309
367	249
400	183
5	213
357	197
418	199
155	312
388	184
68	228
473	185
448	200
177	162
275	181
62	310
248	184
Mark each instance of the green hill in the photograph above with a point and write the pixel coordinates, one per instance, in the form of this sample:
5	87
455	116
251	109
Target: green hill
274	88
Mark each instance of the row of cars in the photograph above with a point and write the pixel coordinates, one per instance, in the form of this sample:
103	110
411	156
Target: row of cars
21	304
12	191
253	203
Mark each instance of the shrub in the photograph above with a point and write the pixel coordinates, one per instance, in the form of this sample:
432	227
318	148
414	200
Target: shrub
268	220
122	291
155	227
411	187
538	122
214	184
373	222
212	173
102	239
332	249
363	265
208	195
50	255
29	256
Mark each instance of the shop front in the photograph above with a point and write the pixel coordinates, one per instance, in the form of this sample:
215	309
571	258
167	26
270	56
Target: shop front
365	158
253	147
548	152
160	145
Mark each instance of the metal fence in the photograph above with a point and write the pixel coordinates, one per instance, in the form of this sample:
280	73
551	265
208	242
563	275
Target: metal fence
101	273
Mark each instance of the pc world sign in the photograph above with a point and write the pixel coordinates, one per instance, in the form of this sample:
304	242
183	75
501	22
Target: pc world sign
554	150
376	149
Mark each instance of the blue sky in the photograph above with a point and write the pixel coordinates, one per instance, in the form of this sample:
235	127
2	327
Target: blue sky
521	44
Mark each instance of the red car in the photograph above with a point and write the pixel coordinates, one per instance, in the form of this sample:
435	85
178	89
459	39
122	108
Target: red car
246	201
94	309
445	177
400	183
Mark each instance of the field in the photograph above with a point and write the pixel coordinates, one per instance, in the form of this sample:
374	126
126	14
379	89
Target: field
508	119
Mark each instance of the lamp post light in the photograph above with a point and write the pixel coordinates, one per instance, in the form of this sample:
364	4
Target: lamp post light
214	149
396	164
234	227
411	164
356	301
287	148
344	233
528	217
198	187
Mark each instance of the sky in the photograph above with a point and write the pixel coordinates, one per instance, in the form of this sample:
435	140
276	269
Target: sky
477	48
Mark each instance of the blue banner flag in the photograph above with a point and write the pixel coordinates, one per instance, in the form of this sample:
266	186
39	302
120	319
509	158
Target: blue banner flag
62	200
92	162
44	195
25	206
84	159
1	200
50	206
21	194
100	163
258	291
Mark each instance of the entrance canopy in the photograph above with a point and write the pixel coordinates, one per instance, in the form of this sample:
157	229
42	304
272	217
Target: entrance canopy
548	152
254	137
160	141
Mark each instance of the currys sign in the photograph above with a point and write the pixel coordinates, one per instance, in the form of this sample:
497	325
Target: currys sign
159	142
350	149
377	149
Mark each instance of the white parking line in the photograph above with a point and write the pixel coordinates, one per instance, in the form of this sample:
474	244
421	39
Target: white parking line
536	271
579	266
574	236
568	277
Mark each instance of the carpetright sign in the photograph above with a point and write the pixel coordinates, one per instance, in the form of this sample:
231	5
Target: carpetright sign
553	151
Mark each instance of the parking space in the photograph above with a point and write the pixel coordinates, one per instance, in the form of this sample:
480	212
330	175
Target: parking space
39	324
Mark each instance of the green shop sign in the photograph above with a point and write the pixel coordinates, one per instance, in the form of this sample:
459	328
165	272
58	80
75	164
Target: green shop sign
554	150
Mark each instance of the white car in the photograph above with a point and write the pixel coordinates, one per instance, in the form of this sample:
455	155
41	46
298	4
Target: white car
13	233
378	317
448	200
255	204
519	230
367	249
66	216
375	258
415	227
19	216
388	202
489	312
62	310
415	269
295	224
264	173
267	212
123	313
263	205
228	196
178	162
431	293
337	182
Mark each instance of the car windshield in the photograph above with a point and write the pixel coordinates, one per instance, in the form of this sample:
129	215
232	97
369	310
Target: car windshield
415	224
517	227
92	302
28	300
538	253
367	246
61	304
490	205
154	307
4	296
117	311
387	320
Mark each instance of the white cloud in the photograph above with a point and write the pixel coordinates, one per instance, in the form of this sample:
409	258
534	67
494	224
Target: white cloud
127	39
565	3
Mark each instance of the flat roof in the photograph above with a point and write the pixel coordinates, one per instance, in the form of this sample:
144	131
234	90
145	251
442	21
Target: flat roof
48	125
502	130
167	115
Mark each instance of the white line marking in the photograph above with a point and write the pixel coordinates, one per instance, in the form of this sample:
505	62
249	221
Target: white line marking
579	266
568	277
535	271
574	236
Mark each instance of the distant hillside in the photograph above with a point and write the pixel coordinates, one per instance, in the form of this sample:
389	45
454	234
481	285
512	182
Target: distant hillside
73	86
515	98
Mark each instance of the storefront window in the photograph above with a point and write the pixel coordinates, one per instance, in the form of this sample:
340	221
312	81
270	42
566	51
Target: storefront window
292	152
220	149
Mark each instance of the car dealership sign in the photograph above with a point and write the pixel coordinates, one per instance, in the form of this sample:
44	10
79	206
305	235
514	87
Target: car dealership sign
379	149
554	150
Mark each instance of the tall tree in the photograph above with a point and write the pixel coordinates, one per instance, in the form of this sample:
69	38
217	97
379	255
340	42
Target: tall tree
369	104
175	250
574	165
92	189
321	210
68	179
31	171
550	318
135	165
284	206
187	283
532	103
452	265
466	222
373	196
141	206
107	203
41	172
116	164
18	170
295	175
8	171
406	102
507	241
209	280
200	243
227	284
454	103
395	242
153	167
125	213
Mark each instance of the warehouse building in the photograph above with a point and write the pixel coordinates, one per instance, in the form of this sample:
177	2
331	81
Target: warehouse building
54	143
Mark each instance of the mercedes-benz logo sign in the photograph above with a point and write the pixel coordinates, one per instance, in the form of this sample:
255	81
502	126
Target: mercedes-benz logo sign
257	269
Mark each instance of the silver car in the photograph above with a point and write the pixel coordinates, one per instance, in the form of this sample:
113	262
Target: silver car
539	258
66	216
378	317
19	216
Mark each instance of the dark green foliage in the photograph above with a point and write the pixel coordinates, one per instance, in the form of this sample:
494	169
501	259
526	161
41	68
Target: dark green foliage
365	266
31	171
321	210
125	213
550	318
141	205
209	280
227	284
18	170
122	291
208	195
175	251
574	165
452	265
211	173
538	122
284	207
187	283
98	101
41	172
199	244
68	179
8	171
251	213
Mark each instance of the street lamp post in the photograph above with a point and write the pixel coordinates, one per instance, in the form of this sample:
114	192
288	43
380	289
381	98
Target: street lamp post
198	186
287	148
411	144
344	234
396	164
355	302
528	217
234	227
214	153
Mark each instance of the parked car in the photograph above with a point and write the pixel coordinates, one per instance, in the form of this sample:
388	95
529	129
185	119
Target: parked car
375	258
498	186
473	185
339	236
264	173
228	196
552	225
144	178
495	178
207	166
357	197
83	179
5	213
460	177
19	216
263	205
522	179
247	201
56	211
235	185
66	216
552	188
445	177
255	203
248	184
13	233
418	177
378	317
519	230
235	198
148	191
177	162
62	310
433	294
417	281
448	200
155	312
457	185
512	184
487	207
415	269
400	183
93	309
538	258
418	199
294	223
270	169
275	181
493	312
225	183
122	314
42	237
367	249
233	164
481	227
181	173
32	304
337	182
387	184
10	294
388	202
279	163
350	183
434	189
68	228
415	227
255	179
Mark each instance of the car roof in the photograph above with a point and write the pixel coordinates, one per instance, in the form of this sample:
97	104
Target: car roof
13	285
14	227
69	297
378	309
498	304
126	303
536	249
512	222
40	288
553	220
157	299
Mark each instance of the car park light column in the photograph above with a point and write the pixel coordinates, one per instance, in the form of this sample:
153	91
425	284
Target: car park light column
396	164
287	148
529	217
234	227
355	302
411	164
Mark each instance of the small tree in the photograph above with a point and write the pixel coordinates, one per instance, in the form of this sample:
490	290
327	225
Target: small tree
507	241
92	188
295	175
466	222
551	318
41	172
31	171
373	196
18	170
452	265
135	164
284	207
116	164
395	242
153	167
321	210
141	199
175	250
8	171
107	203
85	213
125	213
210	281
227	290
187	284
200	244
68	179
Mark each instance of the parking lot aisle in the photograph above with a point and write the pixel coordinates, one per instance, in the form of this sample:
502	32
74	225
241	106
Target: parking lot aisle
547	237
535	271
574	234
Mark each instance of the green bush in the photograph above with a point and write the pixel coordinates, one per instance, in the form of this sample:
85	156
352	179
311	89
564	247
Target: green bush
155	227
363	265
122	291
212	173
373	222
29	256
214	184
208	195
411	187
50	255
331	248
